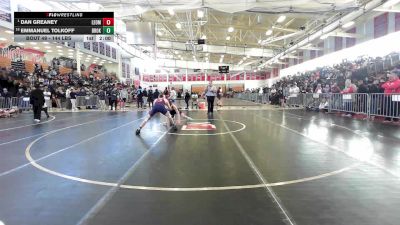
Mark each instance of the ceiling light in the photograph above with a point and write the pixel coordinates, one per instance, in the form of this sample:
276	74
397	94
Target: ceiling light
259	41
36	47
139	8
269	32
3	39
171	11
33	43
244	58
348	24
46	42
281	19
70	50
48	47
97	58
59	46
59	50
228	38
49	50
159	33
60	53
220	60
89	56
325	36
200	13
222	56
176	52
230	29
9	31
254	71
204	36
207	54
21	43
194	57
80	53
178	25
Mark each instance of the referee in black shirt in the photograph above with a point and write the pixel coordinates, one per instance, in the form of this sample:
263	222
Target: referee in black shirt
37	101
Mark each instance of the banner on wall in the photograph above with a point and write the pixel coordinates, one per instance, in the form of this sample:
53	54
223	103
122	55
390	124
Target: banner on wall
14	53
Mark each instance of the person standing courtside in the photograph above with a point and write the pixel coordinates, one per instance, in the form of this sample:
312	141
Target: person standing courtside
150	97
47	101
210	93
37	101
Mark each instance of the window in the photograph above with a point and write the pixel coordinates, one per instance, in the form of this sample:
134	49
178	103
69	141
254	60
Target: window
381	25
350	42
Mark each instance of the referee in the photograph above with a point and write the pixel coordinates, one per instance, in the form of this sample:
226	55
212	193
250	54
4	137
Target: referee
210	92
37	101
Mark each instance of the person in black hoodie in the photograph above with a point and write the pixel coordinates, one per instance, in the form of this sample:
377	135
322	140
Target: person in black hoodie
187	98
114	99
150	98
156	94
37	101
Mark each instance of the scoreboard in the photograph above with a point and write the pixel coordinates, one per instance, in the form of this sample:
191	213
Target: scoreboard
64	26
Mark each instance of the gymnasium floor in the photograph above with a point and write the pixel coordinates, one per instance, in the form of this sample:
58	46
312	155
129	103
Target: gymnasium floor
256	167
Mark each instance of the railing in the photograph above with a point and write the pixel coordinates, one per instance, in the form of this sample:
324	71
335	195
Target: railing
387	105
350	103
376	104
253	97
87	101
295	100
14	102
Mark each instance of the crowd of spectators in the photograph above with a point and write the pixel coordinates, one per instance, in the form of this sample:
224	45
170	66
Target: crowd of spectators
347	77
63	88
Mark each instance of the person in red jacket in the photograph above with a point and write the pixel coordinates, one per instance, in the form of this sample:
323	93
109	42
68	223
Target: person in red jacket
392	86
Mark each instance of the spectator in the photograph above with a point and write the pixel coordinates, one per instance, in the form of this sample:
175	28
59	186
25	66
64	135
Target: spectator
102	98
362	88
145	97
150	97
156	94
348	103
114	99
335	89
172	95
166	92
219	96
187	98
5	93
139	96
124	96
73	95
392	86
47	100
210	93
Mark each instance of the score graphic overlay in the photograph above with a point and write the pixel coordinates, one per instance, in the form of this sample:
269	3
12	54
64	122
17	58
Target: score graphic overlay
64	26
